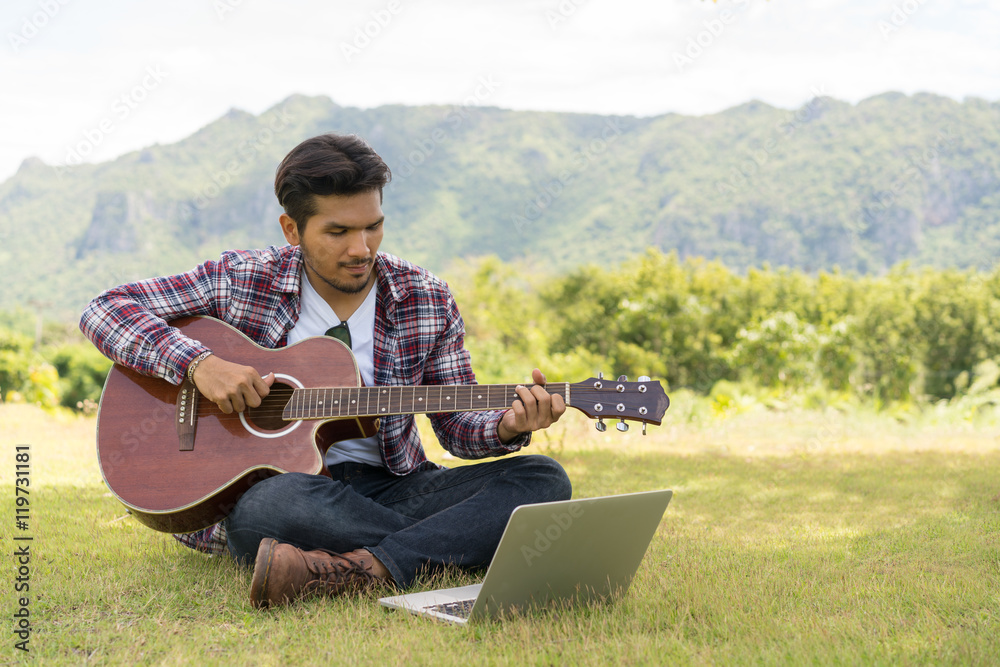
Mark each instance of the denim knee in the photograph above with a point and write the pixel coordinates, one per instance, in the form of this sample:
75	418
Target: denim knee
274	501
549	479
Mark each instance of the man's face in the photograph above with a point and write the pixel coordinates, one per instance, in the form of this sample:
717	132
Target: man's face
339	242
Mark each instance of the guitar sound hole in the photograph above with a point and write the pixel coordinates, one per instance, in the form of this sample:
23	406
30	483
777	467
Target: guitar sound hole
267	417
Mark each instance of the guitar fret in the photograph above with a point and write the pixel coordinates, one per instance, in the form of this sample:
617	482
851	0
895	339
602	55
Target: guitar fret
341	402
386	393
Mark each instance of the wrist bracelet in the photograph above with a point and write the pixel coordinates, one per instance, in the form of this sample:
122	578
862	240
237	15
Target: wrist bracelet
194	364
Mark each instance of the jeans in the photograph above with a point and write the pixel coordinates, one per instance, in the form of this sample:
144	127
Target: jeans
426	519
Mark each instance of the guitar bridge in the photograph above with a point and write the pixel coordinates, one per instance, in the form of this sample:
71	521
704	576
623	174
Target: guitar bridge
186	417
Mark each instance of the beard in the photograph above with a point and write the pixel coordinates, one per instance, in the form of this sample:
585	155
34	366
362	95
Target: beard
349	286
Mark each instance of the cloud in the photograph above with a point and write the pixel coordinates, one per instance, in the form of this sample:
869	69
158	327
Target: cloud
599	56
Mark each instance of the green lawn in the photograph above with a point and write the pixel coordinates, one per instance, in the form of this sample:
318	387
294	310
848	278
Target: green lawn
793	538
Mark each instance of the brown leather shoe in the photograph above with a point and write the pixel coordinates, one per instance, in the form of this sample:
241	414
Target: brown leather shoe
283	573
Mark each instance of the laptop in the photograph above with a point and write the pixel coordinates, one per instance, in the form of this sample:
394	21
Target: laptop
574	551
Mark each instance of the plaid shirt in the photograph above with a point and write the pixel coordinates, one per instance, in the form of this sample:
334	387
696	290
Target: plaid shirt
419	340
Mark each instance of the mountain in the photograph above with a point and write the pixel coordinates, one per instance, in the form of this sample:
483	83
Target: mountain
861	187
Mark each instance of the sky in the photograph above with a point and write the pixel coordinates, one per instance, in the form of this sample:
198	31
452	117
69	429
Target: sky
89	80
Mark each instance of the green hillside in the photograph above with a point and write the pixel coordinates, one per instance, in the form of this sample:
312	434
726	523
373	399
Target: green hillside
862	187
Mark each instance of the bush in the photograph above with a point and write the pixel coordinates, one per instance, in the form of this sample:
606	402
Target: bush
82	371
16	361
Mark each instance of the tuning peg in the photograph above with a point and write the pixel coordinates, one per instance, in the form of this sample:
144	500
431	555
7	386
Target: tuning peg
621	426
644	428
623	378
643	378
600	425
600	375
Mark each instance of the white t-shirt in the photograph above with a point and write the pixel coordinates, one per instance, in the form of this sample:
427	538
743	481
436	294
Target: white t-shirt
315	318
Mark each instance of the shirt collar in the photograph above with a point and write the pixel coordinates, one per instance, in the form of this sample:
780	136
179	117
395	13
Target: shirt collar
288	276
392	285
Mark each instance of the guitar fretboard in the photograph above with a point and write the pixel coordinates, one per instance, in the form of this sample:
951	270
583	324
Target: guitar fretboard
337	402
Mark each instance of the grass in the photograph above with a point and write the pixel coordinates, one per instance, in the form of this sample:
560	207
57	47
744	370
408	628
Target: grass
798	536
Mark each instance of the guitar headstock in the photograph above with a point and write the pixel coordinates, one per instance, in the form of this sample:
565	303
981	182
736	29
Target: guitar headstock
601	398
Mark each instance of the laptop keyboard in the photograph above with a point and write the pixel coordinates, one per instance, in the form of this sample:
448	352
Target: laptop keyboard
459	608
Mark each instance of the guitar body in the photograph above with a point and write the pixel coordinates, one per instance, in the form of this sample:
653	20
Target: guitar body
176	487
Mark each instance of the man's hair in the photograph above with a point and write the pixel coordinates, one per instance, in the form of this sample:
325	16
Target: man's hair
330	164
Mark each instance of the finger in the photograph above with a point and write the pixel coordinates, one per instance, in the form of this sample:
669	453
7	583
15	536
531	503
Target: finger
529	403
517	413
543	406
262	386
237	400
558	406
251	399
538	377
225	406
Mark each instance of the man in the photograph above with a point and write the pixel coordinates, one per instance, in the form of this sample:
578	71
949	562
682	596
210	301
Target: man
386	513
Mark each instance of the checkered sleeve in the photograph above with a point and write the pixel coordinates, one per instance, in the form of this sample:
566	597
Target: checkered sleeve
128	324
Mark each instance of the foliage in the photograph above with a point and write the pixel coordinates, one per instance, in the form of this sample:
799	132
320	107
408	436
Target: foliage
24	374
15	362
910	335
913	335
82	371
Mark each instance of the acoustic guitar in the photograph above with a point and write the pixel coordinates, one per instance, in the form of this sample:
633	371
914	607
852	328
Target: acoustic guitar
179	463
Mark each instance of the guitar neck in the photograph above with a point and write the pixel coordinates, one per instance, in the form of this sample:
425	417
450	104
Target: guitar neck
339	402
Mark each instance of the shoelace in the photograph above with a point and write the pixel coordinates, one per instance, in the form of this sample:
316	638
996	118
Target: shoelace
333	575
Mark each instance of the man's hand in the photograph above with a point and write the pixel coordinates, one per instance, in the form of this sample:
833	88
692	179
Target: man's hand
536	409
231	386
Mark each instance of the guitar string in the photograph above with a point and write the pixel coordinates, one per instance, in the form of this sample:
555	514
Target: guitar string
283	394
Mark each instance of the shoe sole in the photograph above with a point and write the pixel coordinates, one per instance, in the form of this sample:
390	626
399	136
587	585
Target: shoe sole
262	572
